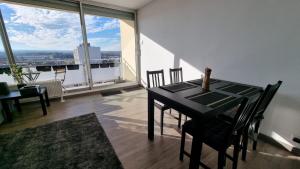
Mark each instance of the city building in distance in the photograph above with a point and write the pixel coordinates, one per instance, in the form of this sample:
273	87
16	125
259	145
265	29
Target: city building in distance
94	53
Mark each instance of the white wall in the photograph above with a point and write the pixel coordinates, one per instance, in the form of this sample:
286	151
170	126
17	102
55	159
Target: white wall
250	41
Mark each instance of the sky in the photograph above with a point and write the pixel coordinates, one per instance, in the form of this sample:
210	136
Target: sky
31	28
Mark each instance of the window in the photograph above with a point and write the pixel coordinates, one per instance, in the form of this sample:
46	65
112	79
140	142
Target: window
45	37
103	36
3	57
5	75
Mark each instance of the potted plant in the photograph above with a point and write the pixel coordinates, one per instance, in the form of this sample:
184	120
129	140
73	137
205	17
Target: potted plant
17	73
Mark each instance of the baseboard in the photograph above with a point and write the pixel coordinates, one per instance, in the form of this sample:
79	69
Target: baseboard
296	151
268	139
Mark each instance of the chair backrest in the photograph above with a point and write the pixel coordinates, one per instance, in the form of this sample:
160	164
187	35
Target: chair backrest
241	118
176	75
266	98
156	78
240	106
263	101
244	119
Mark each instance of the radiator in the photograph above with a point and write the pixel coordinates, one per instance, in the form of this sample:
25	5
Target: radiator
54	87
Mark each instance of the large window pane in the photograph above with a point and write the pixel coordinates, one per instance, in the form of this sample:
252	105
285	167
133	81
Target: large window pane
45	37
5	75
3	57
103	35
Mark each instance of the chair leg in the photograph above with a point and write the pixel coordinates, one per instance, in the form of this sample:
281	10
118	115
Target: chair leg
182	145
179	120
244	146
162	122
186	118
224	163
255	135
17	102
236	151
221	158
43	105
47	98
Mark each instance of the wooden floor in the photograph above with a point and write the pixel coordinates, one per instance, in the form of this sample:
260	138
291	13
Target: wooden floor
124	118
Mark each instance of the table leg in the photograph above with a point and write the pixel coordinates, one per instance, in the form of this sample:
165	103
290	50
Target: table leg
6	110
18	105
150	117
43	104
47	98
195	153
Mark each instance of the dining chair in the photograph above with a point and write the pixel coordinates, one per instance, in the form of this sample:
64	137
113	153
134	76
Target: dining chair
252	128
219	134
176	76
156	79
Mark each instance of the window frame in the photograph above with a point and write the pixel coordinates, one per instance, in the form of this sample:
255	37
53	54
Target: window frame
82	9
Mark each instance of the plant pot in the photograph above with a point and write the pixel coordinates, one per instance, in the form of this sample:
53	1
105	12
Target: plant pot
21	85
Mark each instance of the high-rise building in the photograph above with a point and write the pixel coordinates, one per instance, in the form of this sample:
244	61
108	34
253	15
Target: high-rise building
94	52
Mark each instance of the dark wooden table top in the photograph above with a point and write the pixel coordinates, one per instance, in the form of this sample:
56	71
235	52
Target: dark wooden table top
12	95
194	100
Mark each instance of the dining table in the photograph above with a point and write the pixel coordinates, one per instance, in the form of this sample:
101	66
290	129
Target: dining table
191	100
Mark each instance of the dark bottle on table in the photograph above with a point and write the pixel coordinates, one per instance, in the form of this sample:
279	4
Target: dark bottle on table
206	79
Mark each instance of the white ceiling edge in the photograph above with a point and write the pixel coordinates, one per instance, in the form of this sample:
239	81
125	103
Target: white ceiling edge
121	4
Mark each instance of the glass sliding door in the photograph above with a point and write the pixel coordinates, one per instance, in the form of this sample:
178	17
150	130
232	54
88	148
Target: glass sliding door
103	36
46	38
45	42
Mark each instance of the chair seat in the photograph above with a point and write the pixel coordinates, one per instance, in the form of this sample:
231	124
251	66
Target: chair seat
212	132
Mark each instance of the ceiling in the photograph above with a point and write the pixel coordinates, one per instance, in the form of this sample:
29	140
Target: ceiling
131	4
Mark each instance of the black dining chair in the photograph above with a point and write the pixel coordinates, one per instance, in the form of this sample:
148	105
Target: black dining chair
176	76
252	129
219	134
156	79
259	107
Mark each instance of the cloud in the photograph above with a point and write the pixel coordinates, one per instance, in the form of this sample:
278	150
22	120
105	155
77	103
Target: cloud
51	29
107	44
93	26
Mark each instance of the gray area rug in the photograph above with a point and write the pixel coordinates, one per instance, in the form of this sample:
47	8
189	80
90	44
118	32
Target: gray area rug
78	142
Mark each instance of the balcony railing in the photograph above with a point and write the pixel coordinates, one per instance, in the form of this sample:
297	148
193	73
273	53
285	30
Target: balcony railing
71	75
